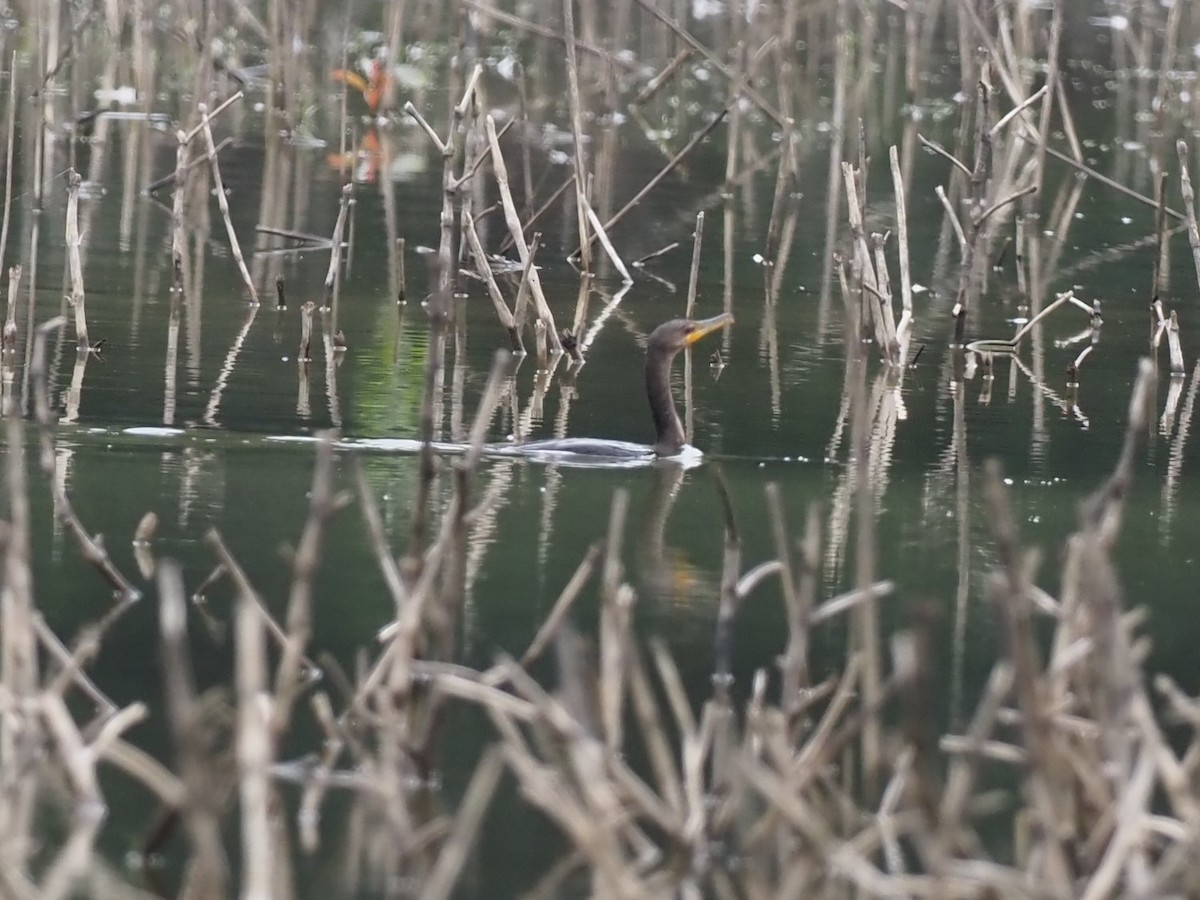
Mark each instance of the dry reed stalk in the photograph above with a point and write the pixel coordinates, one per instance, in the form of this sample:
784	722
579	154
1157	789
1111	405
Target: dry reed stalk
508	241
1160	237
18	641
74	242
8	157
333	275
208	870
784	179
8	341
173	178
514	226
254	754
885	287
694	272
1173	345
1189	203
576	107
602	236
906	294
503	313
884	336
190	135
616	603
178	242
222	200
306	322
953	217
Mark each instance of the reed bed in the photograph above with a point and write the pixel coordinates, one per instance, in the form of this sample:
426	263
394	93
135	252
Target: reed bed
1074	772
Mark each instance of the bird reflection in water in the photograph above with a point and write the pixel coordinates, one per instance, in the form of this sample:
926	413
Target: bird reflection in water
664	572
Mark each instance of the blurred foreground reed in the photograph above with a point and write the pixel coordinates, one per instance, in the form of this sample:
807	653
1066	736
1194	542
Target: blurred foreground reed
1063	783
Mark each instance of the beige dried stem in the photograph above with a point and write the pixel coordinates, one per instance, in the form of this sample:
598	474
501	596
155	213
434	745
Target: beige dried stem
9	340
74	242
514	227
178	239
333	275
13	97
1173	345
609	249
254	749
208	873
617	601
906	292
1189	203
223	201
885	335
483	267
576	105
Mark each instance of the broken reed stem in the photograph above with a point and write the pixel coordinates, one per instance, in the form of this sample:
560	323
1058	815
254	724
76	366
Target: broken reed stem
602	236
541	211
9	340
253	748
173	178
576	105
220	108
178	241
306	322
783	179
335	254
500	171
1160	235
902	238
74	243
1173	346
485	272
1189	203
8	158
694	274
222	200
522	301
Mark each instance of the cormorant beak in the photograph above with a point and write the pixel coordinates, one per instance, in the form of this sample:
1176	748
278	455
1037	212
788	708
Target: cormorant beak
705	327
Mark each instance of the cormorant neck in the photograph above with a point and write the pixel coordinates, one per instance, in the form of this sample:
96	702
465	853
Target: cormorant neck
667	427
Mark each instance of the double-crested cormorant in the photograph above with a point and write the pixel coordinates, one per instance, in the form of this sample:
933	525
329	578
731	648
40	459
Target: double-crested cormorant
665	341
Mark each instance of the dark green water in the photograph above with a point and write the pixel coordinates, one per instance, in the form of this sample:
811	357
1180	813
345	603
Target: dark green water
769	417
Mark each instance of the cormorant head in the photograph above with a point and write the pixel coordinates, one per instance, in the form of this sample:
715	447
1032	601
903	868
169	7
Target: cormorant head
671	337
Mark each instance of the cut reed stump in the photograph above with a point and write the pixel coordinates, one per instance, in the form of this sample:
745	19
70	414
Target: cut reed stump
74	242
